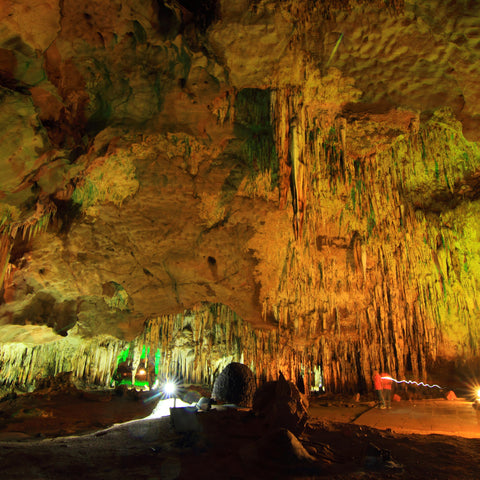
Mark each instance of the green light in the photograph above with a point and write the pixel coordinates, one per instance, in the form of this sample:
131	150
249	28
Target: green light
158	356
123	356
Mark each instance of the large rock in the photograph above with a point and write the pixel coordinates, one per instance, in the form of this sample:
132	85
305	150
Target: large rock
282	405
235	384
279	449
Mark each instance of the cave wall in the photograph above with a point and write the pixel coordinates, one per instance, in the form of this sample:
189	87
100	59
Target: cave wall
309	166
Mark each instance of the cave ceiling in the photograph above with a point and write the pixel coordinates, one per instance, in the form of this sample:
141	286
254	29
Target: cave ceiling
156	156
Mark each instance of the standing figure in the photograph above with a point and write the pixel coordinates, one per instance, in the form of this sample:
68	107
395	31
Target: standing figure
387	389
377	385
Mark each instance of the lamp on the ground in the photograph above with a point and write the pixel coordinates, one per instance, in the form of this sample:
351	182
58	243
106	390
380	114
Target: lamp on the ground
170	390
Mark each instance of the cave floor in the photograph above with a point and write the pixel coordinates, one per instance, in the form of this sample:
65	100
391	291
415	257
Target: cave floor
59	435
426	416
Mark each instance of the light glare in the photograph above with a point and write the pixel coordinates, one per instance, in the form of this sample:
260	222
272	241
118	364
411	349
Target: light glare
169	388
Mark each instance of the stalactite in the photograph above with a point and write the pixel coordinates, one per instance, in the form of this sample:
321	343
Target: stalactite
280	115
5	247
12	227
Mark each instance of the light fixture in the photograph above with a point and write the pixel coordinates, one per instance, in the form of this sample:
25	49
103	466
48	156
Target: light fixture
170	389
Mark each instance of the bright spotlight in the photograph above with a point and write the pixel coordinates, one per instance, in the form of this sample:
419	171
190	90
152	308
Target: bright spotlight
169	388
478	393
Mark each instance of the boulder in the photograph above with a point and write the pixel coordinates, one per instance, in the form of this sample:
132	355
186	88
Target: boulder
204	404
282	405
235	384
451	395
191	396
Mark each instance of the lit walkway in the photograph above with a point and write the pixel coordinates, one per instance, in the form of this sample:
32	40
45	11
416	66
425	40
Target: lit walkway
456	417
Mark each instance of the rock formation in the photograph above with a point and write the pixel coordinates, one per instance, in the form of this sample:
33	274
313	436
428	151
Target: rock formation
293	185
280	404
235	385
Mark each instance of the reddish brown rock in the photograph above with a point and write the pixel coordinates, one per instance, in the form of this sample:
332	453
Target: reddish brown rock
281	404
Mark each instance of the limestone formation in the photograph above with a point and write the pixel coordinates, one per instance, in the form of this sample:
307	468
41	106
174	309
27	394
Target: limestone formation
236	384
281	405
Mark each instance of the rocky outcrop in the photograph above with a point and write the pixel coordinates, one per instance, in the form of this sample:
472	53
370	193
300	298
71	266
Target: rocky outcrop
281	405
236	384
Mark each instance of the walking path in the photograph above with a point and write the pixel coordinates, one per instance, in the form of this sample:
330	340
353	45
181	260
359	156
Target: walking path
439	416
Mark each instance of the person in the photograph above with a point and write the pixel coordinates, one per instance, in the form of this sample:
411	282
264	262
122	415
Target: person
387	389
377	385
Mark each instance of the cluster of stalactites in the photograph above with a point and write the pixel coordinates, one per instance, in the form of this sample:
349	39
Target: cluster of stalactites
393	230
91	362
198	344
193	347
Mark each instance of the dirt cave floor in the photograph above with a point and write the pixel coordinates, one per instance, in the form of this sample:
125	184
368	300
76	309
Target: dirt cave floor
103	435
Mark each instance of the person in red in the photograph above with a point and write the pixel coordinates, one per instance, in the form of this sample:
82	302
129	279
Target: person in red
377	385
387	389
